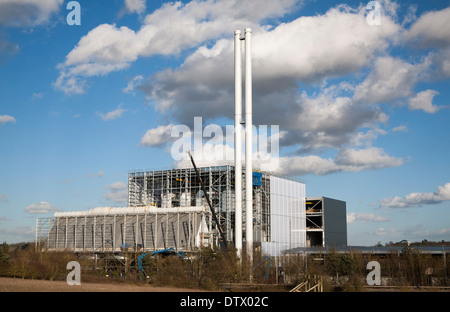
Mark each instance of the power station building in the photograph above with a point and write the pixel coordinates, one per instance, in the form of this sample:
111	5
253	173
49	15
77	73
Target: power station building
168	209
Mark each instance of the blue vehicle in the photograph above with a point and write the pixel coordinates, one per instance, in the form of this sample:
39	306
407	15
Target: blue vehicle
168	251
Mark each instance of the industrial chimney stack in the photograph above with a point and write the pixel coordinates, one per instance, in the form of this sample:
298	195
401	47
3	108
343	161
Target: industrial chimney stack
248	141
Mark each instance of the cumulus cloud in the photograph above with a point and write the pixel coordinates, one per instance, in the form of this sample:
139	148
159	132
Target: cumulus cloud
6	118
400	129
432	29
423	101
391	79
27	13
347	160
109	48
364	217
283	57
366	159
118	193
132	84
157	136
42	207
100	174
328	121
135	6
116	186
115	114
306	51
442	193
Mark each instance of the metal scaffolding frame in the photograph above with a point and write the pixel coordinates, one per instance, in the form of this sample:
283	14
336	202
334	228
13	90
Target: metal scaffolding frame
124	229
181	187
167	209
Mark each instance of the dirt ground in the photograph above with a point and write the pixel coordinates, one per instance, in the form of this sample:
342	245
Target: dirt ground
25	285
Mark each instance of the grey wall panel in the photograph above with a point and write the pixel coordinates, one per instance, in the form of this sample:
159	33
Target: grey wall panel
335	222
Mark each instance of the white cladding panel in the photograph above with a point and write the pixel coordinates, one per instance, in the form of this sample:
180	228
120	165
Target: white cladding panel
288	216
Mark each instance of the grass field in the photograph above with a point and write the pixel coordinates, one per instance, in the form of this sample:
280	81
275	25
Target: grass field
28	285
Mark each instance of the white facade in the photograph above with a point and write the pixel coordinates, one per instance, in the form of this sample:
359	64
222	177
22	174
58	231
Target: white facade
287	215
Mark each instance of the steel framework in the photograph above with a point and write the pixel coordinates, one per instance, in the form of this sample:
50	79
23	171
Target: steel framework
167	209
181	188
124	229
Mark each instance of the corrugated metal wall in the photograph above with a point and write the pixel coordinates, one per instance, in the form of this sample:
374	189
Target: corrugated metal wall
288	217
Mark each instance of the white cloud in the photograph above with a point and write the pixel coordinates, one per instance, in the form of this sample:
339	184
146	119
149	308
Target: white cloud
267	159
135	6
157	136
400	129
69	84
441	194
37	95
347	160
117	113
27	13
6	118
118	193
132	84
366	159
432	29
390	80
42	207
366	138
329	121
283	57
109	48
424	101
364	217
99	174
335	43
441	61
116	186
415	232
306	49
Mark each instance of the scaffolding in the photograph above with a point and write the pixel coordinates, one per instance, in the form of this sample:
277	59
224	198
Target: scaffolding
181	188
168	209
109	229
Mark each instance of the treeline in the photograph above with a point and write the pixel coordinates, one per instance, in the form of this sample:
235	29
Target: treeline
213	269
348	271
23	261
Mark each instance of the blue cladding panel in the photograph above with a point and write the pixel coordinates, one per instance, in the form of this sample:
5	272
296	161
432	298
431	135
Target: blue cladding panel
257	178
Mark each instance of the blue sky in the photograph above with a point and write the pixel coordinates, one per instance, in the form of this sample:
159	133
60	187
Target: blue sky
363	109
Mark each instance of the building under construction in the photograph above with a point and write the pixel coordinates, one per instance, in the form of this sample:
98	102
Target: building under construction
185	209
168	209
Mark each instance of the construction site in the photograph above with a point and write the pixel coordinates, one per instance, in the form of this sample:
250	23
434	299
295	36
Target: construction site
180	211
187	208
168	209
263	223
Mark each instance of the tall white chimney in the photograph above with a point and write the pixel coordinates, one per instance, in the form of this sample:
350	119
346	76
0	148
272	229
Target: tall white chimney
237	140
248	144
